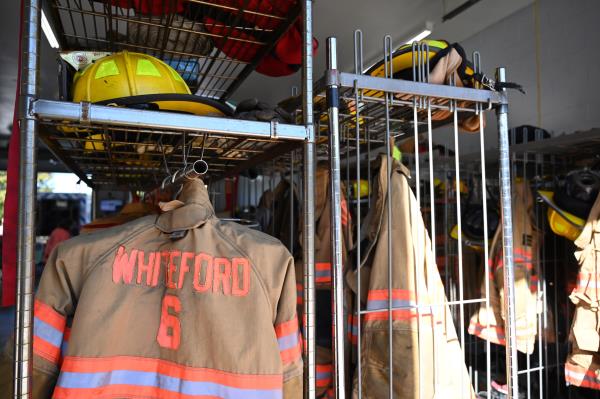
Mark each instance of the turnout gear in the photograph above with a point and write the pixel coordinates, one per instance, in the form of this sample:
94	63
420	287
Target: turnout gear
179	305
488	323
425	334
583	363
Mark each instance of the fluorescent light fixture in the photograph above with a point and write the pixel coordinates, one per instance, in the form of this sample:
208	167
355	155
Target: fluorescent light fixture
423	34
420	36
48	32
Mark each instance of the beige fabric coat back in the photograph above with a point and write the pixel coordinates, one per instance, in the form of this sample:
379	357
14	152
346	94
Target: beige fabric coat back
488	323
176	306
427	358
583	364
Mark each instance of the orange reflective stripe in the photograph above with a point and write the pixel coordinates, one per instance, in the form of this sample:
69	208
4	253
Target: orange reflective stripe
345	215
287	327
492	333
384	294
581	376
324	375
46	350
299	294
323	266
396	315
48	315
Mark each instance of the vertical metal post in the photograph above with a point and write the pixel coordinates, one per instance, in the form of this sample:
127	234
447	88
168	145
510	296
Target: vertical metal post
23	352
336	224
292	202
309	204
507	246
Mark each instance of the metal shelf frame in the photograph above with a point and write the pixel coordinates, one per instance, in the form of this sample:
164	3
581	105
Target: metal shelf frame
230	145
376	110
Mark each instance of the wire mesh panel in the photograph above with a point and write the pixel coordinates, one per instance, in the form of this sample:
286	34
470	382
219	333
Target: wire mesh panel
409	290
544	163
214	45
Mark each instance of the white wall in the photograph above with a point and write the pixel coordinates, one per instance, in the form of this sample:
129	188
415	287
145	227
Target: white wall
570	59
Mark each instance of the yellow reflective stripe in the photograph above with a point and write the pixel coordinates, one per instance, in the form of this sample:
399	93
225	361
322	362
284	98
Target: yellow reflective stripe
146	68
397	154
106	68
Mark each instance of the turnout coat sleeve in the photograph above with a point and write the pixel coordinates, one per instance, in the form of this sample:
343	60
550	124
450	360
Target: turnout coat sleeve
54	306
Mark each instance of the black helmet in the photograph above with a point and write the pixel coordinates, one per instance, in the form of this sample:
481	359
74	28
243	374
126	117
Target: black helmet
578	192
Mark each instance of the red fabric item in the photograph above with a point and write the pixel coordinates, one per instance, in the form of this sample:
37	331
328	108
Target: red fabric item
152	7
57	236
289	48
284	60
11	202
272	7
236	49
271	66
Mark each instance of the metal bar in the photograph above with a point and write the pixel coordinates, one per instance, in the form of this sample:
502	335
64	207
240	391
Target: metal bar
292	202
273	152
309	204
358	68
99	114
29	80
343	79
387	56
507	245
336	226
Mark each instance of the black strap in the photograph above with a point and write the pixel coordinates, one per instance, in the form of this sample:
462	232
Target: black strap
497	86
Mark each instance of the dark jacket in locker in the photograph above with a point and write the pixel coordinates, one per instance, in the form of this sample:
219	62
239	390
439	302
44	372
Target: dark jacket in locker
583	363
488	323
175	306
324	274
426	352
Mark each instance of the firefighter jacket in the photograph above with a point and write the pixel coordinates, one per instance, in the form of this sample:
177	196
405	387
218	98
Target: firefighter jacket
583	363
427	358
176	306
488	323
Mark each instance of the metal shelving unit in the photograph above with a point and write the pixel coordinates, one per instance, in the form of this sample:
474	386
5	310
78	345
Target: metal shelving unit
364	112
118	147
135	149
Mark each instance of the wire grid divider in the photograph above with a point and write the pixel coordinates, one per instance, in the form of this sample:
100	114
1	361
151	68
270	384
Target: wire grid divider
214	45
542	161
124	153
374	112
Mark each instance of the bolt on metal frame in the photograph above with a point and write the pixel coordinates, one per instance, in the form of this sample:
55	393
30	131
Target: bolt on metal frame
385	108
222	131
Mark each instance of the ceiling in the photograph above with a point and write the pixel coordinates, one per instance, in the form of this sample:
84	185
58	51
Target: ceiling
402	19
